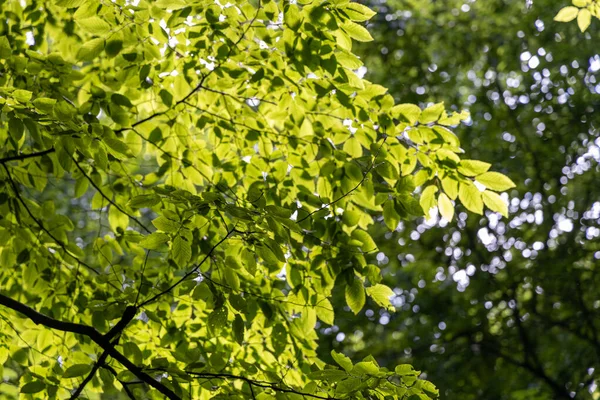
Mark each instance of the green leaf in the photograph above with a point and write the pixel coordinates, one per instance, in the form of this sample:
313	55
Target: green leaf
357	32
473	167
342	360
238	329
232	279
431	114
154	240
355	295
81	186
5	49
450	186
69	3
171	4
427	200
446	207
33	387
120	100
94	25
164	224
381	294
266	254
22	96
584	19
117	219
16	128
406	369
217	320
495	181
567	14
353	172
91	49
409	112
325	311
113	47
365	368
353	148
358	12
44	104
166	97
144	201
470	197
77	370
292	17
494	202
118	146
368	244
390	216
330	375
181	251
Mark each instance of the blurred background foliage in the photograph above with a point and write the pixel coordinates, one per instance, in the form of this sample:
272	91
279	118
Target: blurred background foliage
489	307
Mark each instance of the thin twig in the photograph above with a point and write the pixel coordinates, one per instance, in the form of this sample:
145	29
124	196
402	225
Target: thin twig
188	274
26	156
108	199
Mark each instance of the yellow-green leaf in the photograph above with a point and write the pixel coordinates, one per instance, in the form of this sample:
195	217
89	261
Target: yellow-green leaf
357	32
427	200
181	251
91	49
584	19
431	114
410	112
358	12
494	202
567	14
355	296
446	207
473	167
495	181
381	294
450	186
470	197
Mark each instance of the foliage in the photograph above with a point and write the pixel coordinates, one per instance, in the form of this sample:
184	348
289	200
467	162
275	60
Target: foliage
242	132
583	10
493	308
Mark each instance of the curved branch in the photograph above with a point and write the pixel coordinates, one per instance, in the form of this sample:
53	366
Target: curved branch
93	334
262	384
364	178
108	199
41	226
26	156
188	274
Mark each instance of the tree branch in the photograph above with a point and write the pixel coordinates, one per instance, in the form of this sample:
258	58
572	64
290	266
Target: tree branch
188	274
94	335
40	225
124	384
115	331
262	384
108	199
364	178
26	156
88	378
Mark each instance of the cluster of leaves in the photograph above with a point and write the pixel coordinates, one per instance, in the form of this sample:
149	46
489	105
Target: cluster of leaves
243	133
583	10
493	308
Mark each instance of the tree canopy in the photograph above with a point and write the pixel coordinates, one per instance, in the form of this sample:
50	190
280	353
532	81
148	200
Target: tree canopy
184	186
495	308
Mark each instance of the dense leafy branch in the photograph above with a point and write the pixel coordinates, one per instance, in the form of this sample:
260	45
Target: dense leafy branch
85	330
252	382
